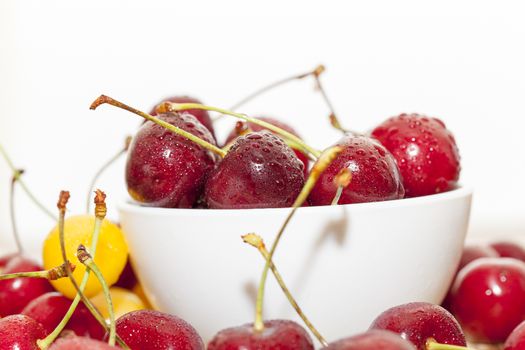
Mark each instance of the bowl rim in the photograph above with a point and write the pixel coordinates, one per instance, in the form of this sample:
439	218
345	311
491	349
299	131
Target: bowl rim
131	207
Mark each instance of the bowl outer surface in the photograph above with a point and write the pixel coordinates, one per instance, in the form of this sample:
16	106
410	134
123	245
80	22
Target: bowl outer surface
344	264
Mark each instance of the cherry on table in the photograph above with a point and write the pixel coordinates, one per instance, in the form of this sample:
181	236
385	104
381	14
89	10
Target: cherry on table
20	332
4	260
374	339
418	322
488	298
50	308
80	343
16	293
149	329
509	250
375	175
259	171
200	114
425	151
167	170
277	334
128	278
473	252
516	339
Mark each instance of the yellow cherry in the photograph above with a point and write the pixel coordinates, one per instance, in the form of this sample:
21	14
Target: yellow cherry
124	301
110	256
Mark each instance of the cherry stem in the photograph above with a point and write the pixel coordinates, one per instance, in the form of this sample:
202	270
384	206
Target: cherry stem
24	187
85	258
174	107
316	72
431	344
12	215
342	180
62	202
257	242
325	159
104	167
102	99
100	214
51	274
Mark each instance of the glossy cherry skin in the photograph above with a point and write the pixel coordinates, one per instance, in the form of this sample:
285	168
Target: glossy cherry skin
202	115
256	127
488	298
425	151
259	171
49	309
374	339
148	329
470	253
16	293
277	335
167	170
375	175
516	339
418	322
80	343
509	250
19	332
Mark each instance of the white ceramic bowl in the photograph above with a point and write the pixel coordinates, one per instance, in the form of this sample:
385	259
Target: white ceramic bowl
344	264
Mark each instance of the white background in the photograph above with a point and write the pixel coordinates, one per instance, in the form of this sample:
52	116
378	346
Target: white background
461	61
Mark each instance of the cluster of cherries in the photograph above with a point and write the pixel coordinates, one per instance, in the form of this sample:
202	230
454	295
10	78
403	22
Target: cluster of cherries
488	294
174	161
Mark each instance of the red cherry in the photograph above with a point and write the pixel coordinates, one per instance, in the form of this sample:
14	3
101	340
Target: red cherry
277	334
19	332
375	175
148	329
202	115
473	252
509	250
488	298
4	260
80	343
50	308
16	293
418	322
516	339
259	171
128	278
167	170
256	127
470	253
374	339
425	151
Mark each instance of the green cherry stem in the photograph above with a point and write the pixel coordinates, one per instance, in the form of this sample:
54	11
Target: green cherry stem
342	180
24	187
257	242
14	179
51	274
316	72
325	159
85	258
62	202
431	344
174	107
100	214
102	99
104	167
